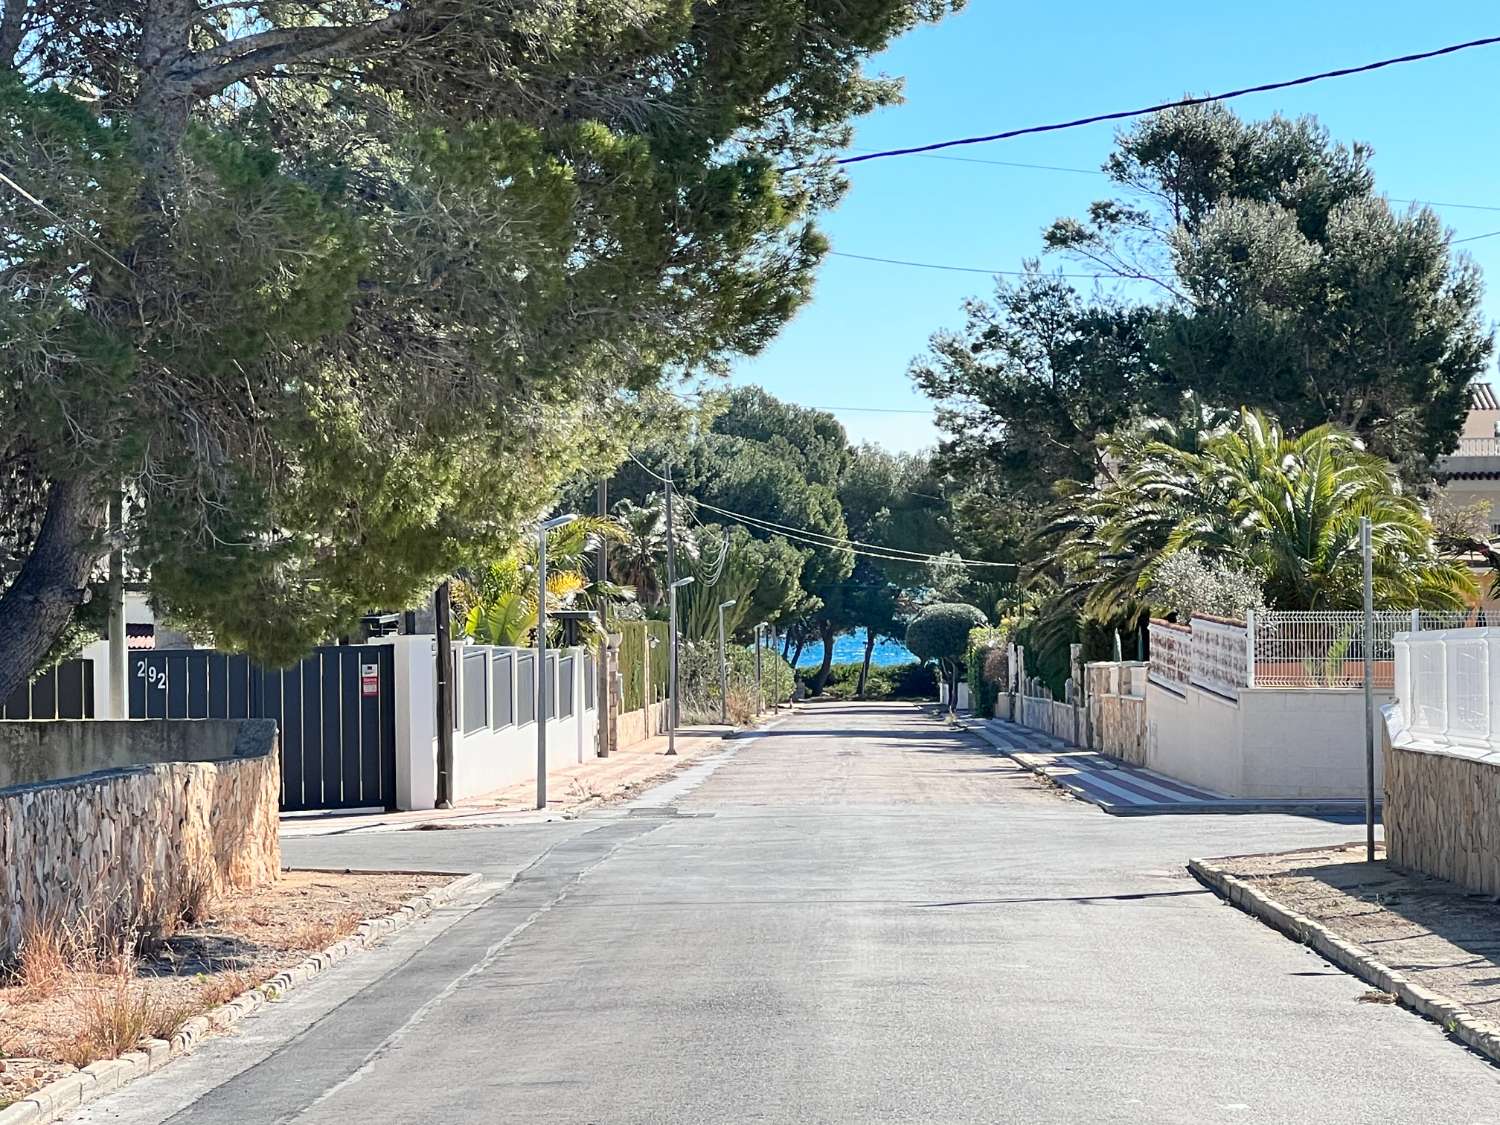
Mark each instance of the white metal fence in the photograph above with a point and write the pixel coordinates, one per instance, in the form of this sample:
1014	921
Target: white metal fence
1448	684
1325	648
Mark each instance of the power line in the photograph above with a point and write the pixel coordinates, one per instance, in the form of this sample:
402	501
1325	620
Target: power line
60	221
832	542
829	409
810	538
1101	172
1120	115
1474	237
960	269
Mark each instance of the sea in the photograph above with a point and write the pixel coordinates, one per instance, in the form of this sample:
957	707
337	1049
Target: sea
850	647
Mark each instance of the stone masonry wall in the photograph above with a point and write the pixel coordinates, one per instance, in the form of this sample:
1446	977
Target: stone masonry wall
1117	719
129	850
1442	814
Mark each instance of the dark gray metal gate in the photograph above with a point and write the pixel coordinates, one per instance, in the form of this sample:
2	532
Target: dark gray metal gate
63	692
336	713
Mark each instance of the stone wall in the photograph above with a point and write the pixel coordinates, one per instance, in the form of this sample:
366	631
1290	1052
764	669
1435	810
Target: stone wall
640	724
1117	714
126	851
1442	811
1054	717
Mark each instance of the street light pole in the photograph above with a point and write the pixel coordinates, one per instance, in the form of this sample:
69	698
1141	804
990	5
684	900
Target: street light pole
672	662
760	692
1367	552
723	667
775	674
541	653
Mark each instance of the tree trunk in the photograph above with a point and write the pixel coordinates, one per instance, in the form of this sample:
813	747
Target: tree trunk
797	653
51	583
826	632
864	670
953	688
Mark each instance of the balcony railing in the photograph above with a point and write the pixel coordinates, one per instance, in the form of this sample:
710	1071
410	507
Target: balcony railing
1477	447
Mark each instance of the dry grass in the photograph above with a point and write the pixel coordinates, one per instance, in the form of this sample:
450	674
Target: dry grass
320	933
81	991
117	1016
43	963
223	987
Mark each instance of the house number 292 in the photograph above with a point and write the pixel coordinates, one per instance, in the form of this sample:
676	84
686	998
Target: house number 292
154	677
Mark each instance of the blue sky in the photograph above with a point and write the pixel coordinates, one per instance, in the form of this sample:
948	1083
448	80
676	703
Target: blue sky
995	66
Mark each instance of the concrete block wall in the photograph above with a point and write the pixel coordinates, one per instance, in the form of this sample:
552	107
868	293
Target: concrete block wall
124	850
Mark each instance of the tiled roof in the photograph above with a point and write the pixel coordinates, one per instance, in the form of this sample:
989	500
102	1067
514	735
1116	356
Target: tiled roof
1483	397
139	636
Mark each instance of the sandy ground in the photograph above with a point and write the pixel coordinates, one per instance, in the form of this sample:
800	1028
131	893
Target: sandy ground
48	1015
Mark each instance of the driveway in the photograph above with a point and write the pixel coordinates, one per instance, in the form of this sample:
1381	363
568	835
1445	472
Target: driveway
858	916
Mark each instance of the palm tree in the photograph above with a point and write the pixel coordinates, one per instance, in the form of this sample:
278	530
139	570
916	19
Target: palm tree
642	535
1288	508
497	605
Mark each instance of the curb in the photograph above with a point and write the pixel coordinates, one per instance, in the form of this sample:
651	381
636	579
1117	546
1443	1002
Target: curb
1462	1023
1229	806
74	1090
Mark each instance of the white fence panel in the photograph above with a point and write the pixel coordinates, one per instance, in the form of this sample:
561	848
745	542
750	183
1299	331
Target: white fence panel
1447	683
1220	655
1171	654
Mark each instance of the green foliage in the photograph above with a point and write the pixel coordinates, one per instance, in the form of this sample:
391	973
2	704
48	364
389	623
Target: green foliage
388	290
1293	287
759	575
940	632
1287	507
892	681
1183	582
983	691
642	651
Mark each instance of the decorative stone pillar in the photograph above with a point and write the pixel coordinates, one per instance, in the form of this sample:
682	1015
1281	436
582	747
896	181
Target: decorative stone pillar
609	694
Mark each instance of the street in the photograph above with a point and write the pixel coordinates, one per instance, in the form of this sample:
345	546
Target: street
856	916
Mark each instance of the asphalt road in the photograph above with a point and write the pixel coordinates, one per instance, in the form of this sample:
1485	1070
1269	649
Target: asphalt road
857	917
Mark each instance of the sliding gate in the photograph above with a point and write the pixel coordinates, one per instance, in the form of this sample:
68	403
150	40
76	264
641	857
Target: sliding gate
335	712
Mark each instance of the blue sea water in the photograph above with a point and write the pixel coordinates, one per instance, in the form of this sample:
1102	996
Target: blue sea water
851	647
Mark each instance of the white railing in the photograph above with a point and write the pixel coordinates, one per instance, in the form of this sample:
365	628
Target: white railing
1447	683
1220	660
1325	648
1171	654
1477	447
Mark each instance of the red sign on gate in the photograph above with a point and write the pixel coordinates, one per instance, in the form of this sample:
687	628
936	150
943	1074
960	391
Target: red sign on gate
369	680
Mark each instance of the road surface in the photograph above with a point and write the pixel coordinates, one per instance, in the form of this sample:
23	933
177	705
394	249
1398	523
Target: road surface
859	916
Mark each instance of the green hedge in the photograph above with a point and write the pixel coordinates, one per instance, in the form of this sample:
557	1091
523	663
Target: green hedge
636	653
895	681
982	693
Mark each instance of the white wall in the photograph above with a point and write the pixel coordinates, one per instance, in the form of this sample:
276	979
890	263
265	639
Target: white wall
1271	743
487	758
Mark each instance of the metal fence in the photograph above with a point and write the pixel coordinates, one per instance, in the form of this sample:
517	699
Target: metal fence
1325	648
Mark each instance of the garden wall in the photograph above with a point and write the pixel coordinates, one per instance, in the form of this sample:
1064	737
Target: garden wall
1117	709
641	724
1442	812
130	849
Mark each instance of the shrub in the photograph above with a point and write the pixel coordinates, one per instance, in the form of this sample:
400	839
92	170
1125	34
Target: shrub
1186	583
941	632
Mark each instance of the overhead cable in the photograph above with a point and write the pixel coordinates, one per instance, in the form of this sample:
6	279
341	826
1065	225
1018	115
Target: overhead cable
1180	103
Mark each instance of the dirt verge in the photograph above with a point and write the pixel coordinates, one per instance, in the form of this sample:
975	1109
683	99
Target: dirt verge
64	1006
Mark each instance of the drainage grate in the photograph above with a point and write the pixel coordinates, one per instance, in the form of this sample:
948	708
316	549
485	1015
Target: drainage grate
666	812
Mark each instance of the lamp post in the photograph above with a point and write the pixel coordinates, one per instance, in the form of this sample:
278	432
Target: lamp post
760	693
541	653
723	667
775	674
672	663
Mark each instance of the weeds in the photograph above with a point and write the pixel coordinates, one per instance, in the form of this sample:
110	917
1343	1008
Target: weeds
42	960
322	932
221	988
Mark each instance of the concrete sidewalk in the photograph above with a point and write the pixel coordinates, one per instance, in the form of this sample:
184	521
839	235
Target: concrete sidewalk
1125	790
570	790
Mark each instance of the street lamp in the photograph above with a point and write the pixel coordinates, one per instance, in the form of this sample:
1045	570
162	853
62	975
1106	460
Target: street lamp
775	674
760	693
672	663
723	666
541	653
